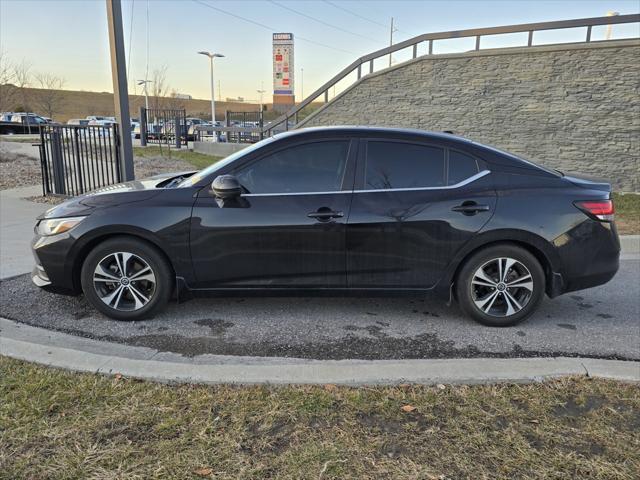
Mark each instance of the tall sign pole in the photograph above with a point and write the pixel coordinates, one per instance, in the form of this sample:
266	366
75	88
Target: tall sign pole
283	72
120	90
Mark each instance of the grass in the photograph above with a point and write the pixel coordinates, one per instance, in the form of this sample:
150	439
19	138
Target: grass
62	425
199	160
627	207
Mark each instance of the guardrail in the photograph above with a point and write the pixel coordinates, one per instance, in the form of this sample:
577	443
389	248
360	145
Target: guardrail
430	38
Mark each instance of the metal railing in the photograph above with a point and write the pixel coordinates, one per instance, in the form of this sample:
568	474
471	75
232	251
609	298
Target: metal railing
76	159
364	65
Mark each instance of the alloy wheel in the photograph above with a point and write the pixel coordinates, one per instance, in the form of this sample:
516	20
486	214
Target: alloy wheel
501	287
124	281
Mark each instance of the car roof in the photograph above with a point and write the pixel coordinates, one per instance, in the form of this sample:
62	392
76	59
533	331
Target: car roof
366	130
489	153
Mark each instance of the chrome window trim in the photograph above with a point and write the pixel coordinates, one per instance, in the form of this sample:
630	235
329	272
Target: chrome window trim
445	187
293	193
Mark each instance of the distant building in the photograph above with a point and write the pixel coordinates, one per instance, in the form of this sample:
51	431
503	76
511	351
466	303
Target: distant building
183	96
237	99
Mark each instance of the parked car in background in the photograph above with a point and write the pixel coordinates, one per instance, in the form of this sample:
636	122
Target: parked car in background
78	121
21	123
340	210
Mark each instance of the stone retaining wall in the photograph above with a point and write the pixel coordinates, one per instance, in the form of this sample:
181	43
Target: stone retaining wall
572	107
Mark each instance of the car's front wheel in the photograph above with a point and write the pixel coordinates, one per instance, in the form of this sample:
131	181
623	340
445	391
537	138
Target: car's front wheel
500	285
126	279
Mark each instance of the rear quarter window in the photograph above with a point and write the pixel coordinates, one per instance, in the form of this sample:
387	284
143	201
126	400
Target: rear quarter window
461	167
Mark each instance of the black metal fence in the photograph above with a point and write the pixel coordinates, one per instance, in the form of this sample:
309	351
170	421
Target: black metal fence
76	158
163	126
244	120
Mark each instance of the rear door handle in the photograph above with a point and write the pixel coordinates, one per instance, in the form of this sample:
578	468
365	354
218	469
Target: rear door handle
470	208
325	214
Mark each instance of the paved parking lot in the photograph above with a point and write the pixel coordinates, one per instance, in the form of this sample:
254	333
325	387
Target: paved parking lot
600	322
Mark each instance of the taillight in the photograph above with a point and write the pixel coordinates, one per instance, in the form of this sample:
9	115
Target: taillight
600	209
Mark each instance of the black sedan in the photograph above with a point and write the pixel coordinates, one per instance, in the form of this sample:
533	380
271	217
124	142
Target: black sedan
337	210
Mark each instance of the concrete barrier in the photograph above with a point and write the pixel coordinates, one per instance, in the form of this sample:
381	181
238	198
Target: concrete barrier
218	149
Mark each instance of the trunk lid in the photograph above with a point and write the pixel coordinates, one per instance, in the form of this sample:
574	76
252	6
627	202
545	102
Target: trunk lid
586	181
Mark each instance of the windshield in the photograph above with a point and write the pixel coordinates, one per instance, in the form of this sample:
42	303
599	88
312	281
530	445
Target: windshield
211	169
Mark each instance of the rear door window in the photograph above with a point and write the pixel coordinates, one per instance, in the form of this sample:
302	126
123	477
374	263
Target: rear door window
391	165
461	167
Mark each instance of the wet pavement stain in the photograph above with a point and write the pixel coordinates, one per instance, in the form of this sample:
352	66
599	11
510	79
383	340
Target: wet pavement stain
217	326
604	315
585	305
520	333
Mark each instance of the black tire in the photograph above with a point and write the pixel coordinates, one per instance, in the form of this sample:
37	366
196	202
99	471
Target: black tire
159	290
502	312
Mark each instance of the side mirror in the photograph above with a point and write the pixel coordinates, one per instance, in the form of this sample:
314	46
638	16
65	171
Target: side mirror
226	187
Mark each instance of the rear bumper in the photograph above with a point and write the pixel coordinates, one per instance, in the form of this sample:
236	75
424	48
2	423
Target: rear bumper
592	257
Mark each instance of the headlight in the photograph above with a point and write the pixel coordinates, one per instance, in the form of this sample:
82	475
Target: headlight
54	226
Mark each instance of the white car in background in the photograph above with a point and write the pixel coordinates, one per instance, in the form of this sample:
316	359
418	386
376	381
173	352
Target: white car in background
78	121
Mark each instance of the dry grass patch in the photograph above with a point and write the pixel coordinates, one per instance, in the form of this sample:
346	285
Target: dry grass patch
627	207
162	154
56	424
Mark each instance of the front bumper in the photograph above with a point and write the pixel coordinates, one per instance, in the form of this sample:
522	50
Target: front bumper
53	270
39	277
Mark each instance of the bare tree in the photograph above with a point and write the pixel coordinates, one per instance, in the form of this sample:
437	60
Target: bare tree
174	102
49	95
22	81
7	88
159	86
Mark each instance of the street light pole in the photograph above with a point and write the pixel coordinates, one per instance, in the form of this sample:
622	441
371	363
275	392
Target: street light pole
146	93
213	101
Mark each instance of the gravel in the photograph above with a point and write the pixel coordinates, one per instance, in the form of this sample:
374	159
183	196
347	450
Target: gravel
20	167
602	322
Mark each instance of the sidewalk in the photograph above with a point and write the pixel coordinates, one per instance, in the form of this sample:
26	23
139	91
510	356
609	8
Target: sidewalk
17	219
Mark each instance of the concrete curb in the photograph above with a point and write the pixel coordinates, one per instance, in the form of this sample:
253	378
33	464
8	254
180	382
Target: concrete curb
630	244
81	354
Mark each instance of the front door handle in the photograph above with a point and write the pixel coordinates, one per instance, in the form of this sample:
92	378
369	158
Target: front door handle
470	208
324	214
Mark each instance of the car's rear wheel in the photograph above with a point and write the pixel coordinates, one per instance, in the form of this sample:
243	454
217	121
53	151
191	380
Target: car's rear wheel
501	285
126	279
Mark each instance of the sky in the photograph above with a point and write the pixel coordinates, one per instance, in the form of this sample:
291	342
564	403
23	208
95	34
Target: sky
69	38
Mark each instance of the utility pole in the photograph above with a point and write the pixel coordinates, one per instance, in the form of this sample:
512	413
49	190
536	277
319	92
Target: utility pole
120	90
219	92
610	27
301	84
261	92
391	38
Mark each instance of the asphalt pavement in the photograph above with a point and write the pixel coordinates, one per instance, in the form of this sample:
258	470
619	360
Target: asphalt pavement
602	322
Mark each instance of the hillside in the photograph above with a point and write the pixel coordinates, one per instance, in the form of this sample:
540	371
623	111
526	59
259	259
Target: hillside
78	104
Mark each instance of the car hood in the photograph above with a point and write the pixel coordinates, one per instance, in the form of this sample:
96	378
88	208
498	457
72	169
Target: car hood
111	195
